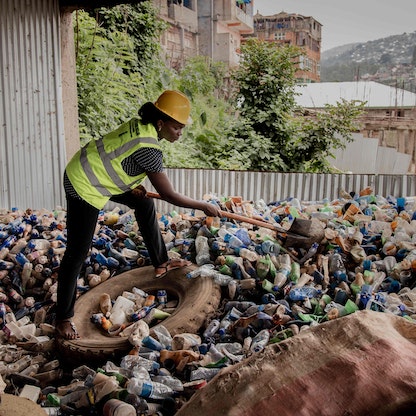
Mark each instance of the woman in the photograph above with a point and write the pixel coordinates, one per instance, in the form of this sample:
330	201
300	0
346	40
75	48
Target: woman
112	168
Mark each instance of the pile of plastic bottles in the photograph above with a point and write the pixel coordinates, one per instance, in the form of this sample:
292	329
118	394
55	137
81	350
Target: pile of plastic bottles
270	292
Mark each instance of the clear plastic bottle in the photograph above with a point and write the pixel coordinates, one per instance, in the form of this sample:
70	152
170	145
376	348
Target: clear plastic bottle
202	250
310	253
247	254
173	382
337	267
283	271
204	373
228	320
200	270
38	244
163	335
260	340
129	362
219	278
303	293
153	390
211	329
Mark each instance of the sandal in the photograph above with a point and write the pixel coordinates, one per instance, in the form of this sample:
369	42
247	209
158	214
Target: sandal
66	329
171	265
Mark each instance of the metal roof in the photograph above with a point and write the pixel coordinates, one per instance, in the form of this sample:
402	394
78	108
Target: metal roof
376	95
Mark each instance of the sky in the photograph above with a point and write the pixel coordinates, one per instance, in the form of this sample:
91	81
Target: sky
349	21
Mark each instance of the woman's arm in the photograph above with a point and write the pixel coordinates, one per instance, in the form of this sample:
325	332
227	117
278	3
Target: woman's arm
163	186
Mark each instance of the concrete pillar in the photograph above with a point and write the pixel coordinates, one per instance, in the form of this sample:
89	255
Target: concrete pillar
69	85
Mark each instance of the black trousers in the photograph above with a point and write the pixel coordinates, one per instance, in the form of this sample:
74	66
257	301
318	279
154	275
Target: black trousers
81	222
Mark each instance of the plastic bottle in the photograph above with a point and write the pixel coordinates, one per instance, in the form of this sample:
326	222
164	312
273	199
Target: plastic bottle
231	347
26	273
204	373
270	247
185	341
18	246
247	254
303	293
152	343
198	271
173	382
365	295
232	241
260	340
228	320
211	329
116	407
38	244
337	267
129	362
237	266
243	235
219	278
310	253
202	250
242	306
146	389
4	252
163	335
283	271
294	274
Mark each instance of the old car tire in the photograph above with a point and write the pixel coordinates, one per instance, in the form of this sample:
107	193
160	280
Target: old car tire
198	299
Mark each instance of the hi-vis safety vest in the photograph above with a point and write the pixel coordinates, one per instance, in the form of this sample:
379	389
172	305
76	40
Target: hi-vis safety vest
95	171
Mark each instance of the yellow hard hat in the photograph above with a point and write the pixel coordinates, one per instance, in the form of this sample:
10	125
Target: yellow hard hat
174	104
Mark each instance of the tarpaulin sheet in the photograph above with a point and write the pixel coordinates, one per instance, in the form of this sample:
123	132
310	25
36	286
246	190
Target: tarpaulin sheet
361	364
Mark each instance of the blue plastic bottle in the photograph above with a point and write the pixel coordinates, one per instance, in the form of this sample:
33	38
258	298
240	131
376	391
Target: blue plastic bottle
302	293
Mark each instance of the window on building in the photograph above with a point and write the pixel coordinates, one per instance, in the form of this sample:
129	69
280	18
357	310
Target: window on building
186	3
279	36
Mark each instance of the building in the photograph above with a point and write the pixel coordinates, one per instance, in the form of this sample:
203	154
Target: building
389	117
209	28
294	29
180	41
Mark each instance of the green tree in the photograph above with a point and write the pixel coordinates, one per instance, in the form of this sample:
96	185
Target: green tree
274	134
141	23
203	142
107	87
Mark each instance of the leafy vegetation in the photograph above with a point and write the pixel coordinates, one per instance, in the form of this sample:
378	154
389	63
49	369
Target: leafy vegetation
254	127
290	141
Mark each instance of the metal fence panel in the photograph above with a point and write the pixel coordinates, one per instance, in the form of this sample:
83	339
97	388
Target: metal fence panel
276	186
32	145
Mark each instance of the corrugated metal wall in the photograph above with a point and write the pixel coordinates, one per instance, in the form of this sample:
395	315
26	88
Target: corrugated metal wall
32	148
275	186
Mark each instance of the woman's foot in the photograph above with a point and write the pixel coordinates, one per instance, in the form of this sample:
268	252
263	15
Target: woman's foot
66	329
171	264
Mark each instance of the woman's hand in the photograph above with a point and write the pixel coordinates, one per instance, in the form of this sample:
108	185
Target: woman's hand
212	210
139	191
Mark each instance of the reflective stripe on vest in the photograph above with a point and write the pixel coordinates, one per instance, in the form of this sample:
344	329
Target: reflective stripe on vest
96	170
106	160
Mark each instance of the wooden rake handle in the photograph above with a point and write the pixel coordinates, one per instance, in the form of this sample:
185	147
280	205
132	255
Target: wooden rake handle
237	217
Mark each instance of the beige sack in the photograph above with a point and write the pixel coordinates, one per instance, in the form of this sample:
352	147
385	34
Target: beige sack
361	364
